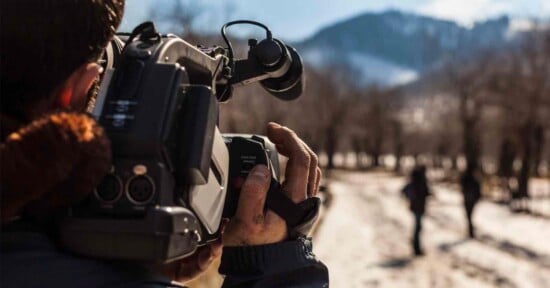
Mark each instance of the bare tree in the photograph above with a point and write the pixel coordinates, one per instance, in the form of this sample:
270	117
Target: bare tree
374	121
335	97
521	83
468	81
397	127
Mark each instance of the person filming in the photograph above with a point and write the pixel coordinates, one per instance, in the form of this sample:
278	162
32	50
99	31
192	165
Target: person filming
53	155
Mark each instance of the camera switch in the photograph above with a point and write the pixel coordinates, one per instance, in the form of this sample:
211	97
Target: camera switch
140	189
109	189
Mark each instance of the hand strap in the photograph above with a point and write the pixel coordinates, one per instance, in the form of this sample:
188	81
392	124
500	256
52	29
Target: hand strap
299	217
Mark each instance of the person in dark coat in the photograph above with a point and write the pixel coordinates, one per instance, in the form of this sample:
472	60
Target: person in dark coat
471	190
52	155
416	191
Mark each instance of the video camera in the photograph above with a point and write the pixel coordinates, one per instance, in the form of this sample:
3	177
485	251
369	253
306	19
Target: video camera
174	175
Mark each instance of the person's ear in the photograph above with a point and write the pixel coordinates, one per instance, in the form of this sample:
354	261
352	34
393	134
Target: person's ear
74	91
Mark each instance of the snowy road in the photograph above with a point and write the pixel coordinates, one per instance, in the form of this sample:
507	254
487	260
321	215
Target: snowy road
364	240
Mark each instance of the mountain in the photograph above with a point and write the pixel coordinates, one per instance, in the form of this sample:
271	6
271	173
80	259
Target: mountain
394	47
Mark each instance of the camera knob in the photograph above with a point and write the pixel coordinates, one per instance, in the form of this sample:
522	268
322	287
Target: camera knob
140	189
268	52
109	189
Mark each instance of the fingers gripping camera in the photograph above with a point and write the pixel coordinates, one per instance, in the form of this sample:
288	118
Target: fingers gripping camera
247	151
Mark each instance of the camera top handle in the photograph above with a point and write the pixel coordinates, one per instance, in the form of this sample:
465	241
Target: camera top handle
277	66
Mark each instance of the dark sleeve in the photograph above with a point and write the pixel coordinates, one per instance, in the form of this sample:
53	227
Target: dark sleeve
286	264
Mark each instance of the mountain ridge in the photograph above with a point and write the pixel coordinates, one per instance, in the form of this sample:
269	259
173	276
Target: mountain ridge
400	46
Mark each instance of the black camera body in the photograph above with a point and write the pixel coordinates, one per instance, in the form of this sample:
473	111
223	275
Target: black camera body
173	175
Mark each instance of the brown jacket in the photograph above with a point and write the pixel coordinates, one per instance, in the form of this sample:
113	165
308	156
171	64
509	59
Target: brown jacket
49	163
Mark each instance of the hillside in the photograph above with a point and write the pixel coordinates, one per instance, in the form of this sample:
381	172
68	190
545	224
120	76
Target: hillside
394	47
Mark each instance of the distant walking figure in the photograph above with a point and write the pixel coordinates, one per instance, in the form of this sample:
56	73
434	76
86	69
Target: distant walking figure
472	193
416	192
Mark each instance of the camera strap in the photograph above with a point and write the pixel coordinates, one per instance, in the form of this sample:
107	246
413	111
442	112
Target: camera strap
299	217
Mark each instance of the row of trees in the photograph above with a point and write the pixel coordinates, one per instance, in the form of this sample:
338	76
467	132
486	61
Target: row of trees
508	92
493	110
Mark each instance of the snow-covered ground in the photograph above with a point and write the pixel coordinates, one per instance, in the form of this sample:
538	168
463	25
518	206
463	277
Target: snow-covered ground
365	239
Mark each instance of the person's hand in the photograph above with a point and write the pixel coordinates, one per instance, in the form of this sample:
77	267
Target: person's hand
252	224
186	269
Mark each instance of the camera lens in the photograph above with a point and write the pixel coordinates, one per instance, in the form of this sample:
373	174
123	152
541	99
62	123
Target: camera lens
140	190
109	189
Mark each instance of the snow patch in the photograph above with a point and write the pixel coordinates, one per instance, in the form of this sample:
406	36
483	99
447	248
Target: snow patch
369	69
364	239
373	69
518	26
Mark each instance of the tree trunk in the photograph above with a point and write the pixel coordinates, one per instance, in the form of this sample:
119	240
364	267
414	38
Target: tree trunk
377	149
442	152
398	145
416	157
454	162
376	159
398	156
469	113
538	145
526	160
356	143
506	159
331	142
471	144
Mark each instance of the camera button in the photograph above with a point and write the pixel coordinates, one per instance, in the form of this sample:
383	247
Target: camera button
122	108
109	190
140	189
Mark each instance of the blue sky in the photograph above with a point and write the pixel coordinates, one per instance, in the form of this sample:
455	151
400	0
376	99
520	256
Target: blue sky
297	19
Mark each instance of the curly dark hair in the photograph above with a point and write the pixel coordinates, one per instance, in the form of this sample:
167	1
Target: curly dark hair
44	41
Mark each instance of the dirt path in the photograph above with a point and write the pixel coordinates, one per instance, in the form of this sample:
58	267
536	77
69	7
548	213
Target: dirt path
365	235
